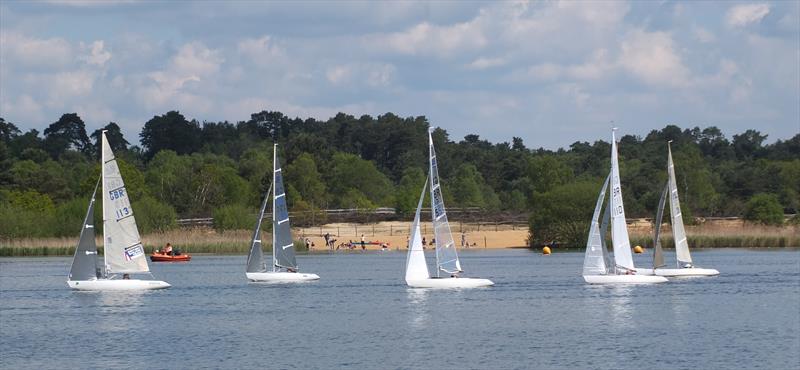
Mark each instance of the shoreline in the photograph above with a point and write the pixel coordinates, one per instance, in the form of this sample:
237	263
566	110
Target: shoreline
395	233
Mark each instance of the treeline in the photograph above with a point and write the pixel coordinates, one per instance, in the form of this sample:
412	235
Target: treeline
221	169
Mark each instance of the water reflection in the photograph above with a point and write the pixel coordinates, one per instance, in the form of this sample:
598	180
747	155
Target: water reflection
119	311
620	306
418	308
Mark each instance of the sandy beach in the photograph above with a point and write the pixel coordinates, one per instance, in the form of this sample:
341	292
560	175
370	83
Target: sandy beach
395	234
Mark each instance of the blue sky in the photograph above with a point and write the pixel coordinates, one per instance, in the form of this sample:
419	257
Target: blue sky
551	72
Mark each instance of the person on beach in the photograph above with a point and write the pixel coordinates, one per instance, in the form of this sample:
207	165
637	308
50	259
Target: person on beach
308	243
463	239
424	243
363	245
408	242
327	240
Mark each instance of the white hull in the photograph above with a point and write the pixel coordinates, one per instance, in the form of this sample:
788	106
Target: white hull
117	284
623	279
685	272
280	277
449	283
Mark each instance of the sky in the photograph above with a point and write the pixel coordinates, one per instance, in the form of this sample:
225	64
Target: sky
550	72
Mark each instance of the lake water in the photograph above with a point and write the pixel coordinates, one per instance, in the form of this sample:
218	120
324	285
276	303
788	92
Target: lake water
361	315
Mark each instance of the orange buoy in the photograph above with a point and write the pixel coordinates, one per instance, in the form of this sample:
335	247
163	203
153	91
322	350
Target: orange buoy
546	250
638	249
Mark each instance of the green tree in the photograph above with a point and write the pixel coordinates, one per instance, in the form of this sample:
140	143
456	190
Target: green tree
352	173
69	132
234	217
115	138
764	208
563	214
408	191
303	176
153	216
170	131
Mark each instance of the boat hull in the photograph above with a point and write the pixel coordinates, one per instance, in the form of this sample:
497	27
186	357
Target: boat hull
281	277
168	258
451	283
684	272
623	279
117	284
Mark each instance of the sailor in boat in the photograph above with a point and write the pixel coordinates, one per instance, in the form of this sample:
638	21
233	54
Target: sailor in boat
168	250
126	276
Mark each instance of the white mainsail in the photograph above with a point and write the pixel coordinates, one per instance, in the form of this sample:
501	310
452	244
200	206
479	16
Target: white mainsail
416	267
123	248
594	262
446	255
282	243
678	231
619	230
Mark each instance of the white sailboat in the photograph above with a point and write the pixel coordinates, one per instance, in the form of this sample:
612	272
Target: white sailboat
284	264
447	262
123	250
684	265
595	270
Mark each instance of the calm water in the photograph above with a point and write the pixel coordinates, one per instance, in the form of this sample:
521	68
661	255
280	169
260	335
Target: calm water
539	315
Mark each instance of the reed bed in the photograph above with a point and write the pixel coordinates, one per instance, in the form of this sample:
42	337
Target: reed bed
717	236
195	240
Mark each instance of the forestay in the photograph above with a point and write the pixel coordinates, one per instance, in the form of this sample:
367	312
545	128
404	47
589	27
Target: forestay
619	230
282	244
254	258
678	231
594	261
416	267
84	262
446	255
123	248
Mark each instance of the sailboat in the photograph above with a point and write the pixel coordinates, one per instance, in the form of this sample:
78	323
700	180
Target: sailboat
447	262
596	268
123	252
684	266
284	264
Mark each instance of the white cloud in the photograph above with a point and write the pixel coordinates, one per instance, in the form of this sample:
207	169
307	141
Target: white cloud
743	15
369	74
90	3
97	54
703	35
35	52
24	110
193	62
484	63
651	56
429	39
262	50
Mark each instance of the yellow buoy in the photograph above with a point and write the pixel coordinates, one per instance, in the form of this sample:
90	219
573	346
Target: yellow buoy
546	250
638	249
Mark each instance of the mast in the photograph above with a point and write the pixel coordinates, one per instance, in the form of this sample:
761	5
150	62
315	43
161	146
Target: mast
274	231
103	190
